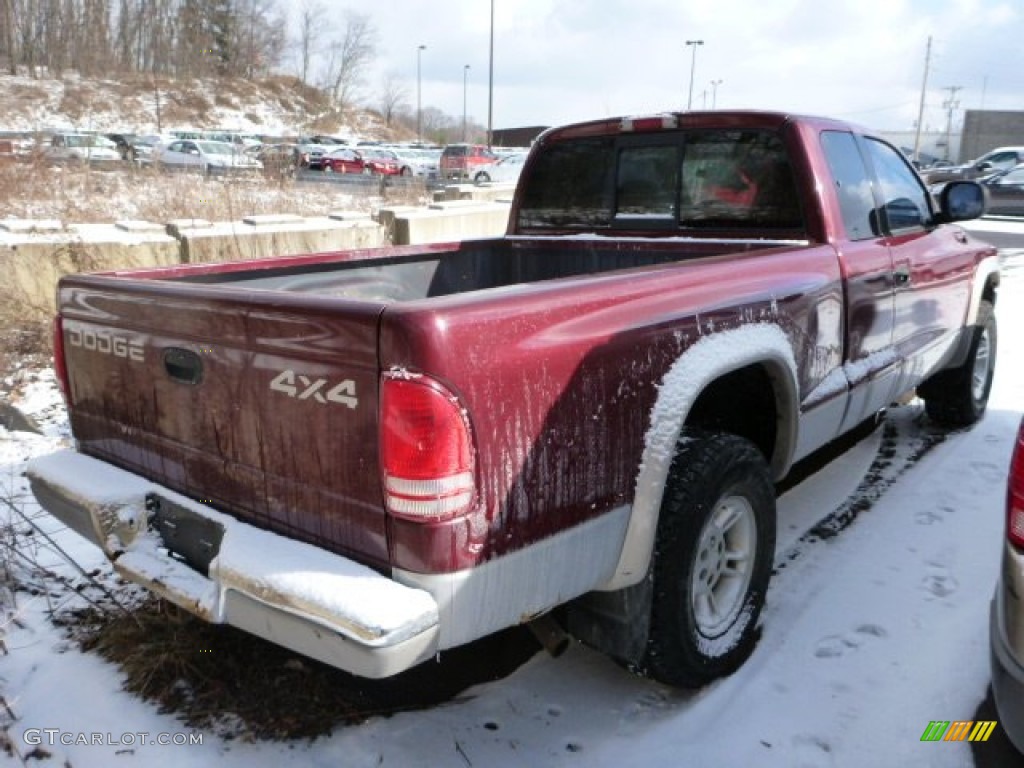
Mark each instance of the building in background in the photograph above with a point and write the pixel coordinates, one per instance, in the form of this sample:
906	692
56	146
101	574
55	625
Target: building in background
987	129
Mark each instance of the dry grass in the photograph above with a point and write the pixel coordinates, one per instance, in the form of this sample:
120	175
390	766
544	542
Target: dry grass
90	195
219	678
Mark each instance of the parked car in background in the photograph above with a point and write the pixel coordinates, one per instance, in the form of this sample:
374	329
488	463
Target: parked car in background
1005	192
310	152
208	156
142	147
464	161
344	160
123	142
82	148
383	162
280	158
1000	159
506	169
1006	618
418	162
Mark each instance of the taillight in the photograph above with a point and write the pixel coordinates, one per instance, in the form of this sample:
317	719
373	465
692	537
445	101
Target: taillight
1015	493
60	367
426	450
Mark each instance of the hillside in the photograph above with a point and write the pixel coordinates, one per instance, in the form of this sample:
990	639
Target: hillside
276	106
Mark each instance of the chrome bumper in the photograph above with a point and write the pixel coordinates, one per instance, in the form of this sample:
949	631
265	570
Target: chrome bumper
294	594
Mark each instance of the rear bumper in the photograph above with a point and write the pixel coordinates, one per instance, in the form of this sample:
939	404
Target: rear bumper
297	595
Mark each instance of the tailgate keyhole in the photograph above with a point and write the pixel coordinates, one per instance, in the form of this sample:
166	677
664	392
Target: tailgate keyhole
183	365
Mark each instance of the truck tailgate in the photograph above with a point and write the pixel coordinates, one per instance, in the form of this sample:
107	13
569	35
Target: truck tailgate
261	404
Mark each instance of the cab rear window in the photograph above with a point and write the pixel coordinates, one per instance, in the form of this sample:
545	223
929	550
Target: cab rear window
700	179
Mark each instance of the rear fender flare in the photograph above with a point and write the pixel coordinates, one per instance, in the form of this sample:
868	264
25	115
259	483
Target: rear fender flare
987	272
700	365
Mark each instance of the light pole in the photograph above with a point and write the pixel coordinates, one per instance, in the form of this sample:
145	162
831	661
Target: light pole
693	64
714	92
419	95
465	77
490	84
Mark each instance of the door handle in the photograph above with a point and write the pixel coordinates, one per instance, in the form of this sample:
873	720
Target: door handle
901	276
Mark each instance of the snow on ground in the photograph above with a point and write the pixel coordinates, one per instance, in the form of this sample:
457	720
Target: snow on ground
868	636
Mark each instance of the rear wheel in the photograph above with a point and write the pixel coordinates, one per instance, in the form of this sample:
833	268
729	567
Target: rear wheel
712	561
407	171
957	397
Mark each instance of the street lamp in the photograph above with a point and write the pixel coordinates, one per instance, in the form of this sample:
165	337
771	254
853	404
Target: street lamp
490	83
693	64
419	95
465	76
714	92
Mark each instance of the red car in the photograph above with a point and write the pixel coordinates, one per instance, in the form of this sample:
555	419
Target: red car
383	162
344	160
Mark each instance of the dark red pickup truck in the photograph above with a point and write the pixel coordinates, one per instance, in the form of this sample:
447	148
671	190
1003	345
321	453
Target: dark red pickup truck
373	456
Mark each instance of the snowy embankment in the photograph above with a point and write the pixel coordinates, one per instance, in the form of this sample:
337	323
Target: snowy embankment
869	634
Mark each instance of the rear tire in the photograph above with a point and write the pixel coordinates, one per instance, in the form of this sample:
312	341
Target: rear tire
712	561
957	397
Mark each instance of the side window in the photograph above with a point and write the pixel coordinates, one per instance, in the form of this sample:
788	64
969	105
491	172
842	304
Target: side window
734	178
853	184
647	182
905	201
569	185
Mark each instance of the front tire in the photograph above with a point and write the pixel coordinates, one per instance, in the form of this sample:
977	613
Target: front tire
958	397
712	562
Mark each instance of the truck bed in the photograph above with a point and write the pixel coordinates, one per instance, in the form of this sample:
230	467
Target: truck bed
409	274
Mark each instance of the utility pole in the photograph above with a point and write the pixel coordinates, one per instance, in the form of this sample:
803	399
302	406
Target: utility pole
920	109
950	104
714	93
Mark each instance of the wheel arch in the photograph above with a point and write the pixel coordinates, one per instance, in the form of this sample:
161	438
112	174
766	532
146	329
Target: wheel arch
700	388
983	288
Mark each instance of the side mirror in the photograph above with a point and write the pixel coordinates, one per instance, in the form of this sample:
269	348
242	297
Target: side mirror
983	167
961	201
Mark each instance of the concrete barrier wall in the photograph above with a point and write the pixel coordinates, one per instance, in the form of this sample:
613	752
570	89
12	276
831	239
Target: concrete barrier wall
261	237
442	225
34	254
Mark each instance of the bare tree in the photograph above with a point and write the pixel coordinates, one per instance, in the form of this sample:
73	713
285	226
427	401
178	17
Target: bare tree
9	39
186	38
312	24
349	58
393	94
440	127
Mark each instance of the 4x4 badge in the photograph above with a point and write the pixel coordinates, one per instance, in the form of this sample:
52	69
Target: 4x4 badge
305	388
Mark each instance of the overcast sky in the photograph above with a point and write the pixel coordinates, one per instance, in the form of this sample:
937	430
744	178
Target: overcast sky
563	61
